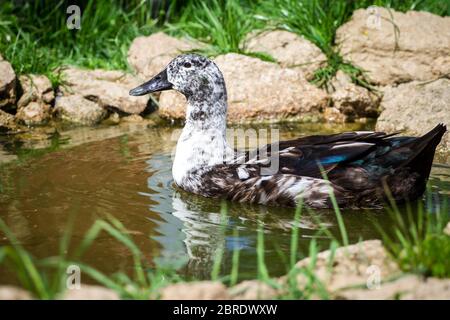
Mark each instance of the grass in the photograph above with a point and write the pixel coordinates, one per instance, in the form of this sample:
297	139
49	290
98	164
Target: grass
418	242
44	278
222	24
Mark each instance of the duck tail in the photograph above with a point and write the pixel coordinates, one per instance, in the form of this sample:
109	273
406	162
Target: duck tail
423	151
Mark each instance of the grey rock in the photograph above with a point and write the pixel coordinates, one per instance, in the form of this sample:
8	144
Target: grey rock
396	47
76	109
415	108
7	84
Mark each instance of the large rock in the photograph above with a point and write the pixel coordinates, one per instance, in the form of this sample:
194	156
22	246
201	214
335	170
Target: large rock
411	287
14	293
447	229
79	110
35	103
6	120
149	55
109	89
351	266
7	84
203	290
409	46
351	100
416	108
257	90
289	49
253	290
90	292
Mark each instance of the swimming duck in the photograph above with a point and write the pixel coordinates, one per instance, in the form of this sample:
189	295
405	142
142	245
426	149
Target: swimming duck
357	167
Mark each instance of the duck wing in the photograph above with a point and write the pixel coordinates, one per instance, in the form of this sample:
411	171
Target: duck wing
364	161
307	156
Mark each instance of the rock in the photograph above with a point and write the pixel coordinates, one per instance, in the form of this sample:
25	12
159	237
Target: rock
407	287
7	84
14	293
257	90
34	113
203	290
420	52
253	290
447	229
149	55
132	118
35	88
89	292
334	115
351	100
35	103
113	119
79	110
352	265
6	120
430	289
289	49
416	108
109	89
390	290
6	157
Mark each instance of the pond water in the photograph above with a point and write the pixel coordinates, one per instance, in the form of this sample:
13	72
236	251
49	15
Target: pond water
125	171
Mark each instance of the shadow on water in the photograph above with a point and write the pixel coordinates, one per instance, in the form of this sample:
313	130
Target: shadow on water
125	171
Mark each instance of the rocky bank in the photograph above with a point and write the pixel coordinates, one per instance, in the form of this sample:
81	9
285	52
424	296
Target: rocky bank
405	56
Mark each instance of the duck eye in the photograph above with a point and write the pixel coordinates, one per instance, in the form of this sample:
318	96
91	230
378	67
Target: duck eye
187	65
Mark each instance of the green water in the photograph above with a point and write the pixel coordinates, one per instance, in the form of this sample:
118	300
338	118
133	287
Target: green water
125	171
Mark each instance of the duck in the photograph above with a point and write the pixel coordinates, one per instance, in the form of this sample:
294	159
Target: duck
361	169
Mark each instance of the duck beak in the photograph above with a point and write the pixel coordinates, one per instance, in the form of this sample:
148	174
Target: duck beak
157	83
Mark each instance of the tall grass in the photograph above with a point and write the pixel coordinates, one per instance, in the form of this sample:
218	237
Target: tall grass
220	251
46	278
43	278
221	24
418	243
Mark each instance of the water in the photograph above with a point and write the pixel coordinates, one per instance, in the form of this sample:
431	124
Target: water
125	171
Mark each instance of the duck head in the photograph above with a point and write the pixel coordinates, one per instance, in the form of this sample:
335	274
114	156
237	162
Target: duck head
195	76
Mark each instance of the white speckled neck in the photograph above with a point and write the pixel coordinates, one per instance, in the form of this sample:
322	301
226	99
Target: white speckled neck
203	140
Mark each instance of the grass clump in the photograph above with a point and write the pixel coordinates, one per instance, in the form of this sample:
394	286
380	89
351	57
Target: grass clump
42	279
46	278
419	243
222	24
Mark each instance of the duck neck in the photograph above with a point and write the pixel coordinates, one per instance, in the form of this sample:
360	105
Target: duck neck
203	140
207	110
